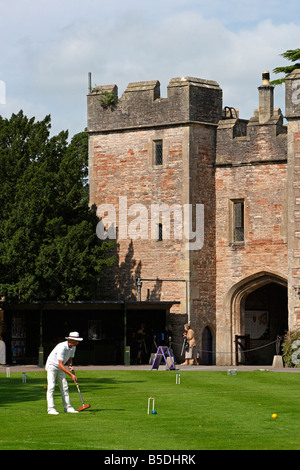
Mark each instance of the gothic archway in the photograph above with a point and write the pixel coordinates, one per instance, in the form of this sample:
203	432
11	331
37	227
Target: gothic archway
259	310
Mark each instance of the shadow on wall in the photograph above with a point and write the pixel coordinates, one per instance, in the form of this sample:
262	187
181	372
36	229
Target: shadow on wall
119	281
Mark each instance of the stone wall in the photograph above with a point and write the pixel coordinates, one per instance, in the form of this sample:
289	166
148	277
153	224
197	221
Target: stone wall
208	160
189	99
251	166
264	250
293	148
122	164
123	168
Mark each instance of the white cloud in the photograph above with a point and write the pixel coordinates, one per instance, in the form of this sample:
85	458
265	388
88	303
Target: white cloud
51	47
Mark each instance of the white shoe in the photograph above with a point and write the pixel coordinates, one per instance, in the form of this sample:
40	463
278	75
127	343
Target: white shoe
53	411
71	410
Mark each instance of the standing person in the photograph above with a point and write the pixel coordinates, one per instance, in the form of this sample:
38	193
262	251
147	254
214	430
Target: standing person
2	351
55	366
142	348
191	352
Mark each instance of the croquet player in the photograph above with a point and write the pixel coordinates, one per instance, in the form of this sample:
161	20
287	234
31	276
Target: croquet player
62	354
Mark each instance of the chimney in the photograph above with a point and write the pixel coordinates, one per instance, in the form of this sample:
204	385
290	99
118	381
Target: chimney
266	99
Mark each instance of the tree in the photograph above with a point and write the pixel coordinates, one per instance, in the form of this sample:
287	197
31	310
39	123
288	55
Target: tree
49	249
293	55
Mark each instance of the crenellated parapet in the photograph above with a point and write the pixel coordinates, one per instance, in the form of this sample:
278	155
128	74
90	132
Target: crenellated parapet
261	139
189	100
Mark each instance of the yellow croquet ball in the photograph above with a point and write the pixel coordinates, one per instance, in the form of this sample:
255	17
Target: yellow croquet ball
274	415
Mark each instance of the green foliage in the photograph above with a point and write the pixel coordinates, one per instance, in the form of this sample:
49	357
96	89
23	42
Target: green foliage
107	99
287	349
293	55
48	244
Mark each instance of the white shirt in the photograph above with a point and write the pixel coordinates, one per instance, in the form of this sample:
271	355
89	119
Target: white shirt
61	352
2	352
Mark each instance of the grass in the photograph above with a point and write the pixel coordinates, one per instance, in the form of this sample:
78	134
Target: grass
207	410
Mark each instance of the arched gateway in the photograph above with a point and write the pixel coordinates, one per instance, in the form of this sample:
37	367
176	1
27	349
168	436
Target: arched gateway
256	308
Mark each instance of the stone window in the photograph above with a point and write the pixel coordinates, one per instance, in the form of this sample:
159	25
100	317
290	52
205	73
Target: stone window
238	221
158	156
159	232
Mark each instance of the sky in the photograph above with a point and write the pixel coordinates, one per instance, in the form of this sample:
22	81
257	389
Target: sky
47	49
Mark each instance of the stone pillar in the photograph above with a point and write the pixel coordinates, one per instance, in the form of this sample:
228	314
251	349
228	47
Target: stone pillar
292	84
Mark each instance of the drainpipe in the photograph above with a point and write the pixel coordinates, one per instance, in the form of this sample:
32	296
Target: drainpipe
139	287
90	82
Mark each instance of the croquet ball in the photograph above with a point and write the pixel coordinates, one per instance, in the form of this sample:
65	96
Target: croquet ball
154	412
274	415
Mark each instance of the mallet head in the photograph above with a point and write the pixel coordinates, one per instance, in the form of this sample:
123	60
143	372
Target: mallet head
84	407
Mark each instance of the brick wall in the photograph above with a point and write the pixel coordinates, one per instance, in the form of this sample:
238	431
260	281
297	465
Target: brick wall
293	196
203	262
123	167
251	168
121	141
206	160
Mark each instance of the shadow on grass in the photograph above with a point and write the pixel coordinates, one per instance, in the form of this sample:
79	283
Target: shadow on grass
104	410
114	381
12	390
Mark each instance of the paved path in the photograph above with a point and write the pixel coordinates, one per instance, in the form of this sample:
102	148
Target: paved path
35	368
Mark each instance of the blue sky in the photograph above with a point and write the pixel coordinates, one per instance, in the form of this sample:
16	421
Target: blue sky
48	47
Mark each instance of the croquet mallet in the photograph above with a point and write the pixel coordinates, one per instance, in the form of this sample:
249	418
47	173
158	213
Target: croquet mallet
83	407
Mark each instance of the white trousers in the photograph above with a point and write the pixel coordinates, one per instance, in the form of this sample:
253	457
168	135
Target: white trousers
52	375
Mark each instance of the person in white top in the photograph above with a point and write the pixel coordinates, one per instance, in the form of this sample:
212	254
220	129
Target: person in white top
55	366
2	352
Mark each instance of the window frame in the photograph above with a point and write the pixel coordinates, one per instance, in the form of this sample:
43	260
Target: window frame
234	227
158	143
160	232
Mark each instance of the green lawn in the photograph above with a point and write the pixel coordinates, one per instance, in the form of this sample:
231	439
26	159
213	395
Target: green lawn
207	410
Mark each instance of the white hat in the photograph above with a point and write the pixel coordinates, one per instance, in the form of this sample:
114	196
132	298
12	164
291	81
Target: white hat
74	335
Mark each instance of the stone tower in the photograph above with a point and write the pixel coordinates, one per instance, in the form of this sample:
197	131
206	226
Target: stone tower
147	151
